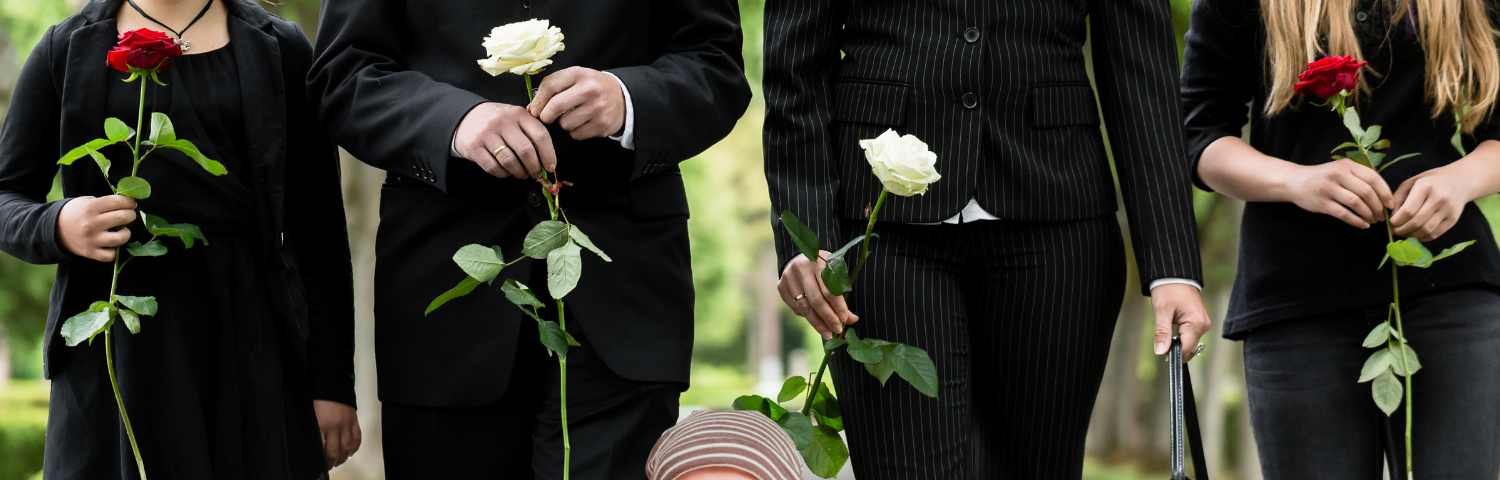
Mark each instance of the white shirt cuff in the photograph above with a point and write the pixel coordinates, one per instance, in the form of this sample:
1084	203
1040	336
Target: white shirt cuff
1171	280
627	136
453	145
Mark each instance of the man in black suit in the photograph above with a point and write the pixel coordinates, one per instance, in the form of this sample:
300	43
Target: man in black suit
467	391
1010	270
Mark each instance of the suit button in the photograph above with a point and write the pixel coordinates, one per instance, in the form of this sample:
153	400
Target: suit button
971	100
534	198
971	35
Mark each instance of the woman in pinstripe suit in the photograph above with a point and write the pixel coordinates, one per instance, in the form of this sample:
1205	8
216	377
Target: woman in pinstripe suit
1010	271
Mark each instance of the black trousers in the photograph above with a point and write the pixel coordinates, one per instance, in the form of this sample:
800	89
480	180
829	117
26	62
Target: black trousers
612	423
1312	420
1017	316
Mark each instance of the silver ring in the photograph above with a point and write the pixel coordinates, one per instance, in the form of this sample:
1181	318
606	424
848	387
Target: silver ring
1198	350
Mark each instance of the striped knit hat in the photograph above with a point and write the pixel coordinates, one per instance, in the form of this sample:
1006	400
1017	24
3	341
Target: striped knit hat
744	440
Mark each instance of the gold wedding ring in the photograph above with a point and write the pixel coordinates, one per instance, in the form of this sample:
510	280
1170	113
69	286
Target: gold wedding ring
799	298
496	153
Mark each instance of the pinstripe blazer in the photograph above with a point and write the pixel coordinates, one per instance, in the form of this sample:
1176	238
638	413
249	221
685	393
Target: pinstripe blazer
999	90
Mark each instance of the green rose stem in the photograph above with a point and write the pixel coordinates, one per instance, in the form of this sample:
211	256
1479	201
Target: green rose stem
864	253
1390	235
554	207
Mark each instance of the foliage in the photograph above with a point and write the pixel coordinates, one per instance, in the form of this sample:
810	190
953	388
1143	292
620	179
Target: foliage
23	428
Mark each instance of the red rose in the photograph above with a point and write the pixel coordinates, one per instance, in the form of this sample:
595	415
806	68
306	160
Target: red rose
144	50
1328	76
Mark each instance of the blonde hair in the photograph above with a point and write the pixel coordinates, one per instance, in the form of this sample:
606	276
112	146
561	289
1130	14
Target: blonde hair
1463	66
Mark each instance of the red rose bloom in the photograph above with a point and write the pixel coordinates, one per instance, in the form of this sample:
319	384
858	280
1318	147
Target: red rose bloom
1328	76
144	50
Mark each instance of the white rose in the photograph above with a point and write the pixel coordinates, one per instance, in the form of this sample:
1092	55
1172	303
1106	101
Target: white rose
903	163
521	47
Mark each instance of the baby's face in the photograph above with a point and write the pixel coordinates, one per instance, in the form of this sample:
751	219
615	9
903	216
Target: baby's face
716	473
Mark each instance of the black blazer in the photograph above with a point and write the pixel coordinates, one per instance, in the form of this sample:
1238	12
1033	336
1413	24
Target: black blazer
396	77
59	104
1000	92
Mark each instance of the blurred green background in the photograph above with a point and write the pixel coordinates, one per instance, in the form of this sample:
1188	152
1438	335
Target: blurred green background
745	339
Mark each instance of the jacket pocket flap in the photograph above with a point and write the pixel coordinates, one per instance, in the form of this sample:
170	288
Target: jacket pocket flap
870	102
1063	105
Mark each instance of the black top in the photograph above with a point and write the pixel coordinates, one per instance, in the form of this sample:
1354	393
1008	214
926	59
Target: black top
1001	92
1295	263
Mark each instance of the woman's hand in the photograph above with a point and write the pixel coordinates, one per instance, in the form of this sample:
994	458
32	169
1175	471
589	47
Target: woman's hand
802	288
1181	305
85	225
1343	189
1430	203
340	426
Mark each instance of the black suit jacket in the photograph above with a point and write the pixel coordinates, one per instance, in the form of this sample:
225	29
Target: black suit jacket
396	77
59	104
1000	92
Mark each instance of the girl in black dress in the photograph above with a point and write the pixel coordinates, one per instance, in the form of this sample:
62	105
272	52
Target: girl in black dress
246	371
1307	289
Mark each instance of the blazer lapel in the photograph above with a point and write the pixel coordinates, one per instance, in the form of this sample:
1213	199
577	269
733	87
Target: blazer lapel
263	89
86	81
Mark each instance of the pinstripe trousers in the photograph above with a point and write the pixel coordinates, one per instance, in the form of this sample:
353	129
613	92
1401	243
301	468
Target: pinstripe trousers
1018	318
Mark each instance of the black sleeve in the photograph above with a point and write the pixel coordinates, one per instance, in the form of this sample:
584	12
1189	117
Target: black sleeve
1220	74
692	95
801	55
1135	68
316	233
394	119
28	156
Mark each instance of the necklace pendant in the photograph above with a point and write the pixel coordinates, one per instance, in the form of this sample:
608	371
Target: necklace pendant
185	44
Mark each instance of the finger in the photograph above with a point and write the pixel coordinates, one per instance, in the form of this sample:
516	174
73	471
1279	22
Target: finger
812	286
358	438
1374	207
1377	184
542	140
487	162
1399	198
346	440
1191	332
1430	227
1338	211
1411	204
840	308
785	289
113	239
1421	217
551	86
332	448
596	127
110	203
1354	203
504	157
116	218
1447	224
1163	332
522	149
566	101
103	255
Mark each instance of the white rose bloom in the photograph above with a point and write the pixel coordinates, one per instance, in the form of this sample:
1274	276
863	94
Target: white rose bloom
903	163
521	47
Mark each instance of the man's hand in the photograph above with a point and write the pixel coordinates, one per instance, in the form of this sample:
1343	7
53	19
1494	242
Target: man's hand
587	103
491	125
340	427
1179	304
802	288
85	226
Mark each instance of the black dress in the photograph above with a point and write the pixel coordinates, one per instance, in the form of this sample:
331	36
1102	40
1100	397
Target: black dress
209	383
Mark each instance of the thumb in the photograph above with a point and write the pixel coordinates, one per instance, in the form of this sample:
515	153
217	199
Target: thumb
550	86
1163	330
